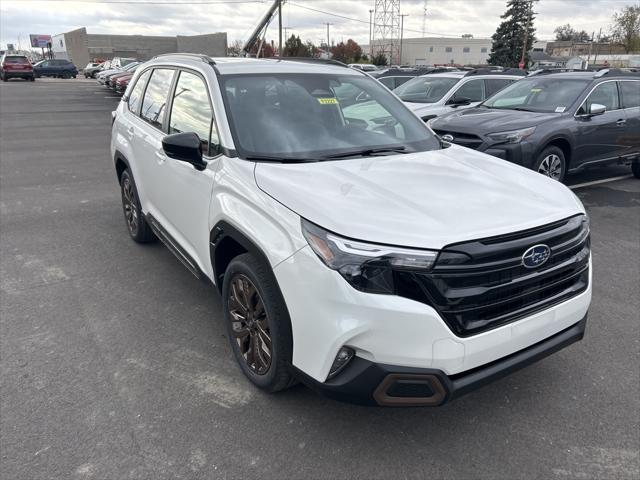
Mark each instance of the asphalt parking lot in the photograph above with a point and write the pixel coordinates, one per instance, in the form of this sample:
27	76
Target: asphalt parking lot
114	362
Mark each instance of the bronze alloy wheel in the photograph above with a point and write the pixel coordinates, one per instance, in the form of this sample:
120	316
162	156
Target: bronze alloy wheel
250	324
130	206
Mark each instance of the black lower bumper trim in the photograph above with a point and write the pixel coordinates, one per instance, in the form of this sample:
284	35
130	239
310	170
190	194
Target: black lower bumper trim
367	383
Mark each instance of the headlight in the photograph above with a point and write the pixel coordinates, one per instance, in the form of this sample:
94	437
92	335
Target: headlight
512	136
366	266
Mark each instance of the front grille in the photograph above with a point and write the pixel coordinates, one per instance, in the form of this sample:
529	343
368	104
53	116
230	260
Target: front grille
463	139
482	284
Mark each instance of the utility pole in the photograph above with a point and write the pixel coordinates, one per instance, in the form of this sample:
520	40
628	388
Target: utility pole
401	36
370	33
595	55
526	36
280	28
328	44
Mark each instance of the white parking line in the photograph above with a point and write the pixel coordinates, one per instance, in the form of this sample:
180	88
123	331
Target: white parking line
597	182
111	97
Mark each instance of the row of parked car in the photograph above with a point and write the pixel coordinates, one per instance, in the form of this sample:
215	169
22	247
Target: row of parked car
552	121
115	76
19	66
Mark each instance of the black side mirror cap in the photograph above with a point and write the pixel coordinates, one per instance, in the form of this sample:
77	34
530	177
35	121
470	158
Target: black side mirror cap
457	102
185	147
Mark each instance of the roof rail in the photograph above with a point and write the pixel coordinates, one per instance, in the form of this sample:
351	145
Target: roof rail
201	56
326	61
548	71
618	72
488	71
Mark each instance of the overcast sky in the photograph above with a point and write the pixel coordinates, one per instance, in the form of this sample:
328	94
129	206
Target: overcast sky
237	17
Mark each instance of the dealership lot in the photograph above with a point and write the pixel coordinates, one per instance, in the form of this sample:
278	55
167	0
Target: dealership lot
115	364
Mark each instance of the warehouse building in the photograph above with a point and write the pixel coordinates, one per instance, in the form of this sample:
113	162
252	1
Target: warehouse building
81	47
441	51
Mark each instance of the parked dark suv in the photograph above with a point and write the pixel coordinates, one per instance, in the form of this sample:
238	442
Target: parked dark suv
56	68
555	123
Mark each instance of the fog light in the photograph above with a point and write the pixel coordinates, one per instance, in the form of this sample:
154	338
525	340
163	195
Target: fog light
344	356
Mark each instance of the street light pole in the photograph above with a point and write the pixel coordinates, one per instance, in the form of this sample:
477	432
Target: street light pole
328	47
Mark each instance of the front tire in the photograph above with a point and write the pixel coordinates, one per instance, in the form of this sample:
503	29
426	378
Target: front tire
635	168
258	323
551	163
137	226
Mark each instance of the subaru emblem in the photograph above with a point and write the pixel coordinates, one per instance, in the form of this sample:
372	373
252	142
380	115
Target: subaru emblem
535	256
447	138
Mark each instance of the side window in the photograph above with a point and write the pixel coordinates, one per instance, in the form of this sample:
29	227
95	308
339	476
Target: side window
630	93
191	112
401	80
156	96
471	90
604	94
136	92
493	85
388	82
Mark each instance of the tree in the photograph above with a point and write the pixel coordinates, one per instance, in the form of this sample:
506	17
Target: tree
294	47
379	59
349	52
567	33
626	28
235	49
266	52
508	41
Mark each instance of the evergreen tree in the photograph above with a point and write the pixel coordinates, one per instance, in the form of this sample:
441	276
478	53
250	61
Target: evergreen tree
508	41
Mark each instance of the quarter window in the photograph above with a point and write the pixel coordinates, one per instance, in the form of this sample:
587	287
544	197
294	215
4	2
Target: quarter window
604	94
630	93
493	85
191	111
136	92
155	97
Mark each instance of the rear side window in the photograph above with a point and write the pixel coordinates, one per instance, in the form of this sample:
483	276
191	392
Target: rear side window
493	85
630	93
155	97
388	82
191	111
471	90
136	92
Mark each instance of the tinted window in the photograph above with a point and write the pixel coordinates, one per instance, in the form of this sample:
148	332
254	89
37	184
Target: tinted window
604	94
630	94
388	82
425	89
155	97
191	110
471	90
293	116
136	92
15	59
493	85
539	94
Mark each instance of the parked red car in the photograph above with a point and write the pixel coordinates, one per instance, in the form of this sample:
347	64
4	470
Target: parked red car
16	66
120	85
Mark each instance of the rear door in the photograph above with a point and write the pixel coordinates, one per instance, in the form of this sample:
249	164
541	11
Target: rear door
630	93
600	137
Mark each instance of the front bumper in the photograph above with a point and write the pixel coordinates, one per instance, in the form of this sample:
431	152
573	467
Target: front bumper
368	383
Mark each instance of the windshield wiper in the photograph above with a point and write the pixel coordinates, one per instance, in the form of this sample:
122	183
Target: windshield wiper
266	158
368	152
522	109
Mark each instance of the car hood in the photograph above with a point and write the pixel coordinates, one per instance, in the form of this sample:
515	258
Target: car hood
481	120
419	106
424	199
104	73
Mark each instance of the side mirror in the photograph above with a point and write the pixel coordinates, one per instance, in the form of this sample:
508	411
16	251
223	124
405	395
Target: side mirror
597	109
185	147
458	101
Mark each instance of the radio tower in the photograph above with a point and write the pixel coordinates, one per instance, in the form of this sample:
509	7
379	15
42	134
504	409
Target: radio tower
424	19
386	32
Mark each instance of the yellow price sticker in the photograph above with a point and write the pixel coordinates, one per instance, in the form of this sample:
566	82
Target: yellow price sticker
536	90
328	101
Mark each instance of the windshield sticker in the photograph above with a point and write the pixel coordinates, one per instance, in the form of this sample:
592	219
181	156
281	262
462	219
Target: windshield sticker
536	90
560	109
328	101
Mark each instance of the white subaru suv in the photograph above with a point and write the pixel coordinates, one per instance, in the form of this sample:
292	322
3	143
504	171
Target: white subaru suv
434	94
361	256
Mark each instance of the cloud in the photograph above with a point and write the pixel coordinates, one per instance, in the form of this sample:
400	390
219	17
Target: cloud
444	18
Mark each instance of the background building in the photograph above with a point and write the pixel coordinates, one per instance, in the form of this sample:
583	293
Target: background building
441	51
81	47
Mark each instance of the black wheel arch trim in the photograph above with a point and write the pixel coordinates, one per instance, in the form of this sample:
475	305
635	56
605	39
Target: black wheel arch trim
119	157
223	230
547	143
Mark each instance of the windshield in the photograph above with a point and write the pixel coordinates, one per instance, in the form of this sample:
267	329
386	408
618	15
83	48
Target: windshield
539	94
425	89
312	117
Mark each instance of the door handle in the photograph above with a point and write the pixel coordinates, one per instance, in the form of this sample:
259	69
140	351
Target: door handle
160	157
130	133
621	123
